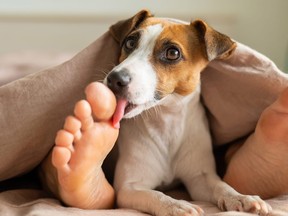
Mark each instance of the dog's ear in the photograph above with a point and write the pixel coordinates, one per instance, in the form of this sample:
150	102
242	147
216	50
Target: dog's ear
122	28
217	45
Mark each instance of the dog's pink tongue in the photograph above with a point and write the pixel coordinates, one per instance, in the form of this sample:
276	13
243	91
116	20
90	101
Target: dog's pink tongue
119	112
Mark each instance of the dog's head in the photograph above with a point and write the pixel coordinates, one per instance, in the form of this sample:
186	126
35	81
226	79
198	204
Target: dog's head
160	57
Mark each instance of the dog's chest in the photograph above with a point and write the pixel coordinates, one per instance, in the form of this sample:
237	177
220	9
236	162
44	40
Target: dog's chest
159	138
167	131
162	130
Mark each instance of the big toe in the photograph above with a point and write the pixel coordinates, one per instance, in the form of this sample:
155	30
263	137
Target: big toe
102	100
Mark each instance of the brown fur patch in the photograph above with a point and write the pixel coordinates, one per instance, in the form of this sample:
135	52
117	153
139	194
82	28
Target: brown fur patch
183	76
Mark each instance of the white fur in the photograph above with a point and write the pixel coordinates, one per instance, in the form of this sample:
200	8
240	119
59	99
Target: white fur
167	142
141	90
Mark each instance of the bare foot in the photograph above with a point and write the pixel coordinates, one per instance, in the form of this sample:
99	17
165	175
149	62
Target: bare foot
81	146
260	166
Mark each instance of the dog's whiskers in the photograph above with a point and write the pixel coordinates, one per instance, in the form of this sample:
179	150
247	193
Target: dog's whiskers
111	64
101	73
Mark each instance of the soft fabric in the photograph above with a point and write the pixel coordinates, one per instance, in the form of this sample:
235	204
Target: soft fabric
15	65
235	92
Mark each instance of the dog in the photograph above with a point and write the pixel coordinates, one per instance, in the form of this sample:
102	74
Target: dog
165	134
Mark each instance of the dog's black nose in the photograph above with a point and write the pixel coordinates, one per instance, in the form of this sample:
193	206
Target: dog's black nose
118	81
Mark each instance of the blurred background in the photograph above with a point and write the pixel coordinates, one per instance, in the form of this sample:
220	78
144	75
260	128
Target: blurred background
64	27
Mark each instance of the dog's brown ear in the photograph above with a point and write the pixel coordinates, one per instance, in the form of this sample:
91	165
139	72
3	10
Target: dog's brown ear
217	45
122	28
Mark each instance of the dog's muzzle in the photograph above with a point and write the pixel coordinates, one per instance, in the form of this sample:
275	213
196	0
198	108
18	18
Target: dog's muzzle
118	82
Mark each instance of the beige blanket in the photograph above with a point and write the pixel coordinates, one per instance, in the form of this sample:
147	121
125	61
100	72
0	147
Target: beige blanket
33	108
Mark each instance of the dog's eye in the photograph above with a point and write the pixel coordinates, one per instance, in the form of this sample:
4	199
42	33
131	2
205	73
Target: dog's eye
172	54
130	43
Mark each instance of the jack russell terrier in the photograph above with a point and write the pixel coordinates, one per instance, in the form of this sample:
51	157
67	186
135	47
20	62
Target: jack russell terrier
159	78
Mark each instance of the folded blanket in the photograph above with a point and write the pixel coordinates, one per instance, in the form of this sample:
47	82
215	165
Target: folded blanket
234	91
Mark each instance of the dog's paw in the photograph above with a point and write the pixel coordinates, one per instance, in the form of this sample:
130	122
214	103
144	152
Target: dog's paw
244	203
181	208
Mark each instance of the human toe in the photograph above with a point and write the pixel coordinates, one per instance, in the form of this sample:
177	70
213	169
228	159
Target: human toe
60	158
64	138
72	124
83	112
102	100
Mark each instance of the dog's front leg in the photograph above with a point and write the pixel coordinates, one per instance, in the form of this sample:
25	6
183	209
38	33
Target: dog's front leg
229	199
135	180
156	203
